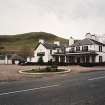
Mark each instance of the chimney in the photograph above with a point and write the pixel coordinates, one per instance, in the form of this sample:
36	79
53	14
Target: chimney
94	37
88	35
71	41
57	43
41	41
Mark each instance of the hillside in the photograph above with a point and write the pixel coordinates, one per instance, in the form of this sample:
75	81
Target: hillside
17	42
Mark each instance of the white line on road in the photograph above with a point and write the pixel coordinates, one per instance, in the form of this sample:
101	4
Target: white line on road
26	90
91	79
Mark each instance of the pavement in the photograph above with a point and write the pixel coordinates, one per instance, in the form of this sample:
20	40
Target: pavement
66	89
78	69
10	73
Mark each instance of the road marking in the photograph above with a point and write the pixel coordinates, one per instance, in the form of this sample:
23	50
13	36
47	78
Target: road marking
91	79
26	90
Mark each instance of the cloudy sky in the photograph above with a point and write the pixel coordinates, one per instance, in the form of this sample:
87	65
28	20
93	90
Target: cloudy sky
62	17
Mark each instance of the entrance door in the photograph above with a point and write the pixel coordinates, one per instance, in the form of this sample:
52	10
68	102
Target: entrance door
87	59
100	59
78	60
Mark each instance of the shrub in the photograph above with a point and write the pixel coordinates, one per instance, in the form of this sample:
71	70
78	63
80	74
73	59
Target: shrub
48	69
54	67
40	60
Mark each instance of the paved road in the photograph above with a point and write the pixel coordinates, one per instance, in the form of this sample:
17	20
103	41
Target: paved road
67	89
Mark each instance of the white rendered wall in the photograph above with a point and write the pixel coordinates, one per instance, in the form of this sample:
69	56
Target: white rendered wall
71	41
2	61
41	48
96	48
57	43
7	62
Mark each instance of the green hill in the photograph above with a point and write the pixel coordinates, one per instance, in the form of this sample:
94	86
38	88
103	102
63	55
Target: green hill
17	42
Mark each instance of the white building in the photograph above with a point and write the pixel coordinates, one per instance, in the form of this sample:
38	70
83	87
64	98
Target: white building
5	59
44	51
88	50
10	59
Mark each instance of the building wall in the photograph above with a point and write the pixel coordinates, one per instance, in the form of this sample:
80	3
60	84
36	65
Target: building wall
2	61
41	48
90	47
100	53
94	48
9	62
5	61
48	53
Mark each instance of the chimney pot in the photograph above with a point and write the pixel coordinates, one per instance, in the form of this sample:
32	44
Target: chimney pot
41	41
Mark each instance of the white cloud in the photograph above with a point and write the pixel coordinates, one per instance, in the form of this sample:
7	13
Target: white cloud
64	18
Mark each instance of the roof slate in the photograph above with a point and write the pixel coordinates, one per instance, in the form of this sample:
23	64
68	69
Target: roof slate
51	46
87	41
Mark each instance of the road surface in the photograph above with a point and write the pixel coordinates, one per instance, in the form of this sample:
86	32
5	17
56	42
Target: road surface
66	89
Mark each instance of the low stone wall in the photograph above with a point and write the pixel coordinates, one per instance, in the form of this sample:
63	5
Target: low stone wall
5	62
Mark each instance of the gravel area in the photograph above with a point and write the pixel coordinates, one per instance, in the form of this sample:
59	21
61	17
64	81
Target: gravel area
77	68
11	72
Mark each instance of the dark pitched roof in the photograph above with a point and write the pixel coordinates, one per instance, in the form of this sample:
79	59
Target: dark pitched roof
99	43
16	57
51	46
87	41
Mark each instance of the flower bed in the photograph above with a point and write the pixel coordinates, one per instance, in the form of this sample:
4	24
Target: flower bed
45	70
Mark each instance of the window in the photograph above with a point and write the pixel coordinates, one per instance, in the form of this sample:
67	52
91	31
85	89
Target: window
77	48
72	49
82	48
50	51
100	59
41	54
100	48
85	48
63	50
93	59
57	50
62	59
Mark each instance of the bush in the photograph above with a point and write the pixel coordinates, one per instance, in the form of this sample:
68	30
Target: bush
52	68
48	69
92	64
40	60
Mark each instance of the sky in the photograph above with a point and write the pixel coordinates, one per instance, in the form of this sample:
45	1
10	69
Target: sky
64	18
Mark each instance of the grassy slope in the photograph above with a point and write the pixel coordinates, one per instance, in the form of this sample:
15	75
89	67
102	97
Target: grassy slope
16	42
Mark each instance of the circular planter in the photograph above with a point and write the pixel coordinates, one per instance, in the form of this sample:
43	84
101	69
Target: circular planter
42	73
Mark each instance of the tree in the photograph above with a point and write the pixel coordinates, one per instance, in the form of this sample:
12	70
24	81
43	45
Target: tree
40	60
25	52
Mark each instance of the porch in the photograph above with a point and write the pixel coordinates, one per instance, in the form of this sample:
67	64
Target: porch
75	58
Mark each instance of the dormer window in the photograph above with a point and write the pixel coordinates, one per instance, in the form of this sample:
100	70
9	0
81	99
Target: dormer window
100	48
